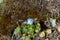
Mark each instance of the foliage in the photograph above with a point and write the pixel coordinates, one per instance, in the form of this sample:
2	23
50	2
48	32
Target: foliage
28	31
17	30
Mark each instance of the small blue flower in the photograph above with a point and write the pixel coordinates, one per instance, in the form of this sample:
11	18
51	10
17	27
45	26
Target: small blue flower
30	21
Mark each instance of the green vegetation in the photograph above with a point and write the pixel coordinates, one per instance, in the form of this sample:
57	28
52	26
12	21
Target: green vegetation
28	31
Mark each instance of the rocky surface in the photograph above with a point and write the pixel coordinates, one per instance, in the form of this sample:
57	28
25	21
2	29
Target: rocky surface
14	12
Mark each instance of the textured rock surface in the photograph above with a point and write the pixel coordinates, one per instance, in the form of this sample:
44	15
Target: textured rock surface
15	10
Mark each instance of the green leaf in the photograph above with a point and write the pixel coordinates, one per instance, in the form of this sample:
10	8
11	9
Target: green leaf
24	30
37	27
17	30
33	35
27	38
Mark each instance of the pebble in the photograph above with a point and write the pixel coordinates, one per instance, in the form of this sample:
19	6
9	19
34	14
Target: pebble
46	39
1	1
58	29
49	31
42	34
57	39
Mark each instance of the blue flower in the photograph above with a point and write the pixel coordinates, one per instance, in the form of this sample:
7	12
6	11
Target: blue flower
30	21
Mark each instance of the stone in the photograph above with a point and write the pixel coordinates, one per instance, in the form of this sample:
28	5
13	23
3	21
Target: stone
48	31
58	29
46	39
42	34
1	1
57	39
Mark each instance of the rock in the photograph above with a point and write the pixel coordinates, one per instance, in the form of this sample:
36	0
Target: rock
57	39
42	34
53	22
48	31
1	1
58	29
37	38
46	39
